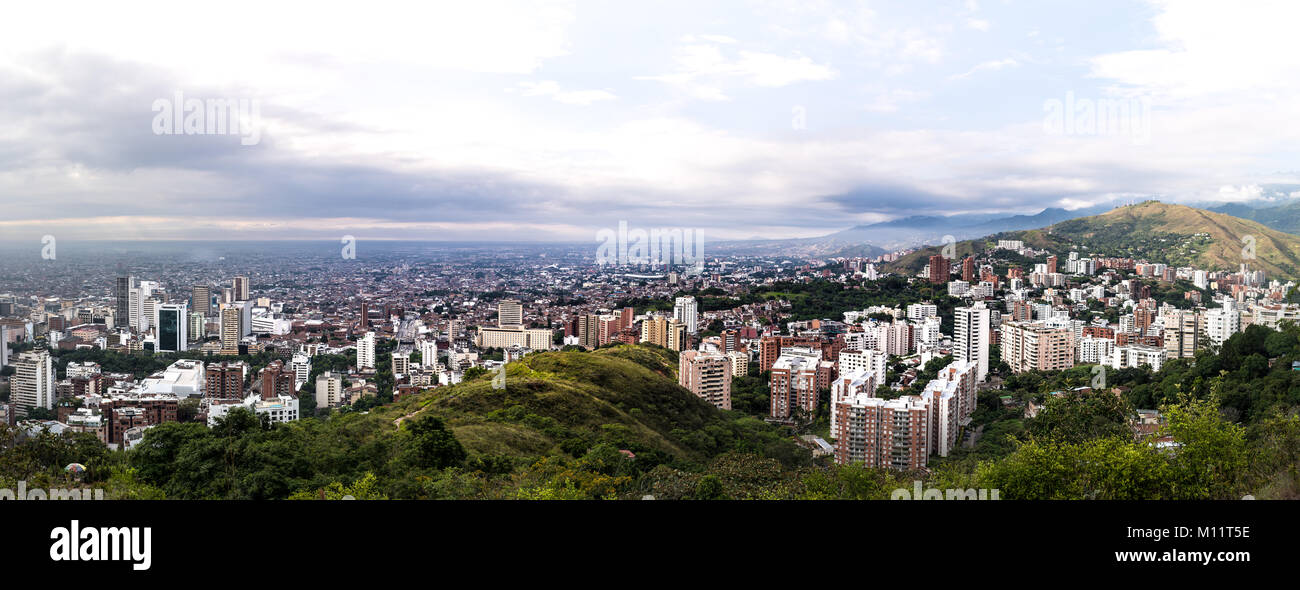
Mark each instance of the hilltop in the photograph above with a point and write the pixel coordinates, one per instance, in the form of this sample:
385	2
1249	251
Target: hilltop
561	403
1155	231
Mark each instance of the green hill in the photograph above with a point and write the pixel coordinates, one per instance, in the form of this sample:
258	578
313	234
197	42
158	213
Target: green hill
1157	232
562	403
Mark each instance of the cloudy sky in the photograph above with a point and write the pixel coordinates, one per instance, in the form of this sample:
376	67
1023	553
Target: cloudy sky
544	121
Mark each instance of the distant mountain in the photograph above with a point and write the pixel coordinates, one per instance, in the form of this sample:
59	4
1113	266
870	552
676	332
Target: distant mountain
907	232
919	230
1155	231
1284	217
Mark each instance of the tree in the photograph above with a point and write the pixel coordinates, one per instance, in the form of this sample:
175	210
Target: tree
433	445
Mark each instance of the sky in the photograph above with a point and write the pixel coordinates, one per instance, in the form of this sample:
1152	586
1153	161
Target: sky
543	121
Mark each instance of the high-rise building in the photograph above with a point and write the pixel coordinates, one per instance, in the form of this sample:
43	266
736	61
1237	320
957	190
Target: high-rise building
201	299
589	330
686	311
276	381
428	352
510	313
739	363
971	335
122	300
968	269
32	385
230	329
1182	334
707	375
1221	323
794	382
173	327
366	351
856	361
940	269
239	288
225	381
198	326
301	367
849	385
329	390
875	432
1036	346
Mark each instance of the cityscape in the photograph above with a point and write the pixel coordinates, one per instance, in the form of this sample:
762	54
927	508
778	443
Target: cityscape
389	278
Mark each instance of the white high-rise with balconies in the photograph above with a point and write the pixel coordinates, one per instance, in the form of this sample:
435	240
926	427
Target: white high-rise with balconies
686	310
366	351
971	338
33	381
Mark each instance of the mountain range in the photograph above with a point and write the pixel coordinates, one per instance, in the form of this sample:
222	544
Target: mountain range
1154	231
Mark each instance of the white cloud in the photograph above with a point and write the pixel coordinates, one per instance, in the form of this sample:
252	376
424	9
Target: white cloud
994	65
552	89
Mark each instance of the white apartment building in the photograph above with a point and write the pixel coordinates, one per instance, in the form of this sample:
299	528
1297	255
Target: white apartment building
366	351
1096	350
972	335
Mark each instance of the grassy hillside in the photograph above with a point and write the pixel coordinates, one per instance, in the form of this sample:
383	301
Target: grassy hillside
563	403
1157	232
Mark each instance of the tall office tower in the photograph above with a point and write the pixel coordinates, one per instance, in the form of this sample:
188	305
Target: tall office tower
366	351
365	316
224	380
510	313
33	382
230	330
239	286
429	352
173	327
876	432
968	269
971	336
7	305
4	346
198	326
687	311
626	317
1051	264
707	375
122	297
201	299
1182	334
